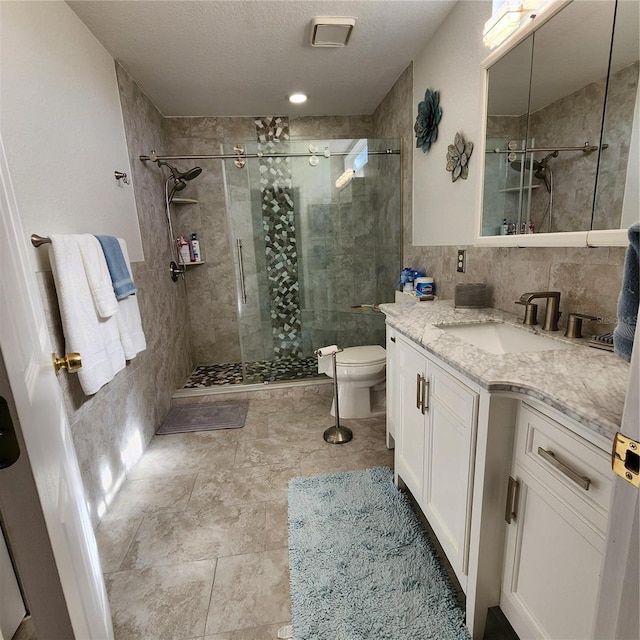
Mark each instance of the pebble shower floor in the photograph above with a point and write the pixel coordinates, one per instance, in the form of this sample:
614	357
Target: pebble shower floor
281	369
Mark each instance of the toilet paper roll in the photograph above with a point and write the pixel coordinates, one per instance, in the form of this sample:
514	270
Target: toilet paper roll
325	358
326	351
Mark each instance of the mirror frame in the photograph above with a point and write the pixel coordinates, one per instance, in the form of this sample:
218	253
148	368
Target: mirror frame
594	238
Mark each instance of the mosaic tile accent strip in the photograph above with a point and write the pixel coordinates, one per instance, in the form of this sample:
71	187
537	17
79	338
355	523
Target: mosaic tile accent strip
280	370
270	129
278	223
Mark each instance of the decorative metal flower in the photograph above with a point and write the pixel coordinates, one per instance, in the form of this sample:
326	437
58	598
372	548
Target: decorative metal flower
458	155
429	114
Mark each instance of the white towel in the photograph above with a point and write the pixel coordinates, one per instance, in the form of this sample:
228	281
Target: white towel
95	267
128	318
84	332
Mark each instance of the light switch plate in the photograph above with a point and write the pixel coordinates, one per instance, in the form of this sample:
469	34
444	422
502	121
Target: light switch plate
461	261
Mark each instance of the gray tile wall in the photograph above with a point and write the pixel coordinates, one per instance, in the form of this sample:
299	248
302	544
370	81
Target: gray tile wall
394	119
109	427
589	279
572	121
211	288
612	173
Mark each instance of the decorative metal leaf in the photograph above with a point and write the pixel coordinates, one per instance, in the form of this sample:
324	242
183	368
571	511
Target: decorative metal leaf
458	155
429	115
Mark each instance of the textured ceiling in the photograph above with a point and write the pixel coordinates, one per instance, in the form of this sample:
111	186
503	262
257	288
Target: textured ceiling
244	57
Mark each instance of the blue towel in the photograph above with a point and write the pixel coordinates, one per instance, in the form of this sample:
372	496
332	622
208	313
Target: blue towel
628	301
123	285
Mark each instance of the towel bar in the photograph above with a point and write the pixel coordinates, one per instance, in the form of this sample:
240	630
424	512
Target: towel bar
37	240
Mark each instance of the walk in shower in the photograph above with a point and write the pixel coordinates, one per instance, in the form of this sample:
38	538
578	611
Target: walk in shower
314	229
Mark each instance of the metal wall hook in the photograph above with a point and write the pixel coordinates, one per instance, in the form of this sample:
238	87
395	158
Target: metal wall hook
121	175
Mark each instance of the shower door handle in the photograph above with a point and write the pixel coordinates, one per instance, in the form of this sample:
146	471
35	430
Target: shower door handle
243	290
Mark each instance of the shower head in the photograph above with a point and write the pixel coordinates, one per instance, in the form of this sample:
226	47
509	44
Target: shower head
543	171
528	165
179	178
187	175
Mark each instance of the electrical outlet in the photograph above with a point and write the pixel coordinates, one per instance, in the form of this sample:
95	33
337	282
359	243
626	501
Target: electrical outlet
462	261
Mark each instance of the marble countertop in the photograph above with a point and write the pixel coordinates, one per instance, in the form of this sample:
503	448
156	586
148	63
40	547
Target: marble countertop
588	385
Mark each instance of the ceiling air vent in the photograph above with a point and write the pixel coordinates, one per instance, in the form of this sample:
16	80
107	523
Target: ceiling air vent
331	32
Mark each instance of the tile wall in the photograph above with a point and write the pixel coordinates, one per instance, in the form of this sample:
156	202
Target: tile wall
114	426
574	120
211	288
589	279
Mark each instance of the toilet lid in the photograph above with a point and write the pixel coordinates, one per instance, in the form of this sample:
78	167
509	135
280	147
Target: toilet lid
370	354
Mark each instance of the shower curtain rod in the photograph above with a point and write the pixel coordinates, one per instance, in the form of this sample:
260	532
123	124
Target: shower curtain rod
244	156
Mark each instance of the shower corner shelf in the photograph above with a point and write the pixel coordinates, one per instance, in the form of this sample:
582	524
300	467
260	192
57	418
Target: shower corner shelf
184	201
191	264
515	189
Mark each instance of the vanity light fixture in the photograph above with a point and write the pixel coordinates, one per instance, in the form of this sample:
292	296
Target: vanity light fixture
331	31
297	98
511	15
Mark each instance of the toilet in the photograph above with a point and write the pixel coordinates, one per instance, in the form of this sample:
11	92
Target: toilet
361	382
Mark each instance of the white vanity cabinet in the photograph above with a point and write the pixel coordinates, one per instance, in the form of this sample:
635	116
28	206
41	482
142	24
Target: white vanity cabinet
435	426
392	387
558	502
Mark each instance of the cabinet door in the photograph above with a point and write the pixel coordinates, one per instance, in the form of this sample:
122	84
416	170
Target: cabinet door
449	468
410	440
392	388
552	565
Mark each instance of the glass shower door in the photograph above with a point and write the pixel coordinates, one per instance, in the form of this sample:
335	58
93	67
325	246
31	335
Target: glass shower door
306	250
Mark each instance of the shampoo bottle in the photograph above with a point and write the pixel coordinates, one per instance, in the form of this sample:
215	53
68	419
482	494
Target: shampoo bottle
194	245
183	250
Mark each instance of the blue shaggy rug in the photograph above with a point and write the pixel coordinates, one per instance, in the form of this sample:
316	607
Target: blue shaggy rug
361	565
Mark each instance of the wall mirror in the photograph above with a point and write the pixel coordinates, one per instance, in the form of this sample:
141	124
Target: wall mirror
562	128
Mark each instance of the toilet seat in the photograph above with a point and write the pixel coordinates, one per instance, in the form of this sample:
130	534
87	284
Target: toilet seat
362	356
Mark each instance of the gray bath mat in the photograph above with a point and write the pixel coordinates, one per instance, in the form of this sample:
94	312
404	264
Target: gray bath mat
205	417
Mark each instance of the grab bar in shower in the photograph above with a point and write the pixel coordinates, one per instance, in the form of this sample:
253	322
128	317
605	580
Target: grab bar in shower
241	270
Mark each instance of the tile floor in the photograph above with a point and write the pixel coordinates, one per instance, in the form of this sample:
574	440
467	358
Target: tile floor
195	544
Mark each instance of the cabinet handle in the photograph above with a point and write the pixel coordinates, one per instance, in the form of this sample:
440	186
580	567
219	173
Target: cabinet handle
582	481
513	496
425	395
418	388
392	338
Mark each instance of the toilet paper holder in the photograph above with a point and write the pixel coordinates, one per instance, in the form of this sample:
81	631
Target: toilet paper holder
336	434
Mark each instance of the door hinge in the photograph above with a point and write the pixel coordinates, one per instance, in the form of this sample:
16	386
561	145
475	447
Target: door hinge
625	459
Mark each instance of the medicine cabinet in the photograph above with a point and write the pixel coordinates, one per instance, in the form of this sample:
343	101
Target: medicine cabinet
561	129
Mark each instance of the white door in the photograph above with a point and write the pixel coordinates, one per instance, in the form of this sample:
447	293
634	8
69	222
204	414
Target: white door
26	347
11	606
618	610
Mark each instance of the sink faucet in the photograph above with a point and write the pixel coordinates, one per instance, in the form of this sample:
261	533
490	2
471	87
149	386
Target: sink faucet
551	313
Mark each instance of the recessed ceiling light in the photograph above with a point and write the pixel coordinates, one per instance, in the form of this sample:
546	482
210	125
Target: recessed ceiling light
297	98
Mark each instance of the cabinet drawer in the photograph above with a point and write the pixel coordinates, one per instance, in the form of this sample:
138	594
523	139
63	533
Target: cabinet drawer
457	398
546	446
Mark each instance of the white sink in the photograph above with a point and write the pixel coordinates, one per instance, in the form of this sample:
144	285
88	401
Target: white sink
496	337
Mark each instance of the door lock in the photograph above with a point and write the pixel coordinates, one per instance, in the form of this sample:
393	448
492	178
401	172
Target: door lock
625	459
